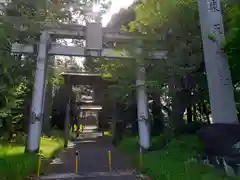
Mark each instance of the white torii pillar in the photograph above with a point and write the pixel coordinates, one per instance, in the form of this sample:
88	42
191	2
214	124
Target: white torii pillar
34	133
142	101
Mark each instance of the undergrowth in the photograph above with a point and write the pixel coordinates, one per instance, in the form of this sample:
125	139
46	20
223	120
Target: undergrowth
172	161
16	165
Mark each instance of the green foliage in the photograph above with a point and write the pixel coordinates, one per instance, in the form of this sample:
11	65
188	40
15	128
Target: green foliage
16	165
123	71
212	37
15	78
173	162
231	48
233	38
178	22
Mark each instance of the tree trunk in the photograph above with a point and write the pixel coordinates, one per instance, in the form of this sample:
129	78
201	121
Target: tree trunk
114	126
68	91
47	110
9	128
181	98
27	106
206	113
194	112
77	124
4	124
189	114
158	118
180	102
48	103
66	128
199	105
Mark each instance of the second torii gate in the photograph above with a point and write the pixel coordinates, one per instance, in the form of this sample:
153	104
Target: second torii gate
79	78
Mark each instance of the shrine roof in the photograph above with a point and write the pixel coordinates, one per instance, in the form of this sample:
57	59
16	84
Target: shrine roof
82	78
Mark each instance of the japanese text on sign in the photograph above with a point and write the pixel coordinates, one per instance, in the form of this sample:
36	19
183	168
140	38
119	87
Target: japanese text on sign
217	29
213	5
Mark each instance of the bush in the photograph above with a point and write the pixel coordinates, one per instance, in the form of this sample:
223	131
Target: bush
175	161
192	127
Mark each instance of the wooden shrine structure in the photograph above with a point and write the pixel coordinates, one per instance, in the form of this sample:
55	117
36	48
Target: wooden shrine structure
100	102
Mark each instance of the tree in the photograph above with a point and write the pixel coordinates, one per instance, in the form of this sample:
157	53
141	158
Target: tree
231	47
21	22
183	73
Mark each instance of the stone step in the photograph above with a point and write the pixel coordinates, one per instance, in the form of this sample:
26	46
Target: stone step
95	175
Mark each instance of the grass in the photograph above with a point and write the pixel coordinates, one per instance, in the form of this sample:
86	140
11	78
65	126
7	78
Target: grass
16	165
174	162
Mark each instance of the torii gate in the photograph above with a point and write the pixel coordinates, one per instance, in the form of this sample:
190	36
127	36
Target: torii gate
94	35
77	78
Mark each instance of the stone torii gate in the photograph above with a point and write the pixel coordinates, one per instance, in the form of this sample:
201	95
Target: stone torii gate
78	78
95	36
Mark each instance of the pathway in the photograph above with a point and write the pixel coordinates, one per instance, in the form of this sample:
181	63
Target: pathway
93	162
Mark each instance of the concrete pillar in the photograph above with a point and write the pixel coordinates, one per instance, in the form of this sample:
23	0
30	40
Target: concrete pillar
35	125
142	102
220	86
